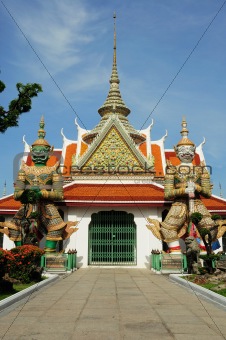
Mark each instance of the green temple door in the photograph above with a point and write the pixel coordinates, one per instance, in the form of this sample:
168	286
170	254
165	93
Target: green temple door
112	238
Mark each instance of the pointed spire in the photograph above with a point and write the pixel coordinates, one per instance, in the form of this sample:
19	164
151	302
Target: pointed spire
220	190
114	102
114	75
114	55
4	189
114	105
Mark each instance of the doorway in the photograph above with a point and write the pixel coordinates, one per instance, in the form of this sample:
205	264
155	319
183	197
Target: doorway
112	239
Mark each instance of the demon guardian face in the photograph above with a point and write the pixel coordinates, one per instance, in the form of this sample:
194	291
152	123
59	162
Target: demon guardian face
185	153
40	154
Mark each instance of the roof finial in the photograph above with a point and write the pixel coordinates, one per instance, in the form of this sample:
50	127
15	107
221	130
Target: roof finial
114	57
220	190
114	105
114	75
114	102
4	190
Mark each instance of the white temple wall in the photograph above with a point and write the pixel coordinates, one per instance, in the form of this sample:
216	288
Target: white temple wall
7	243
146	241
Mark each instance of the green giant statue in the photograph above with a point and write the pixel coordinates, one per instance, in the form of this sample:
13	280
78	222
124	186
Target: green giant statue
37	187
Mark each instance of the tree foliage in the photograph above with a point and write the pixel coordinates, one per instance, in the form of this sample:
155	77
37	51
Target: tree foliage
19	105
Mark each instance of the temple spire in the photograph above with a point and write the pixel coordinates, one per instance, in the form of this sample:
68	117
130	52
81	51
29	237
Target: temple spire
4	189
114	102
114	105
114	56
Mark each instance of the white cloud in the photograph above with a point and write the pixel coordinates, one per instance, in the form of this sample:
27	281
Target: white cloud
54	31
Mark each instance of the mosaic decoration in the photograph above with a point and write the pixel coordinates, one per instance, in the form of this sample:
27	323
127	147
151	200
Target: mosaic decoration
113	154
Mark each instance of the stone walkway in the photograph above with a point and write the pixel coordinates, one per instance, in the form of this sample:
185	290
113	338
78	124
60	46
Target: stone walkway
118	303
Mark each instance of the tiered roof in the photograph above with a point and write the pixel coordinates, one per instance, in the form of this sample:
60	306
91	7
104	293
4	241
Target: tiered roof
114	189
114	105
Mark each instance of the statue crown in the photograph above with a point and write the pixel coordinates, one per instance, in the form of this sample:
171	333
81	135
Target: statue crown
184	133
41	135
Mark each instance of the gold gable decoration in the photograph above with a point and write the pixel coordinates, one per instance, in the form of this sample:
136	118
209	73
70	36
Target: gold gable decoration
113	155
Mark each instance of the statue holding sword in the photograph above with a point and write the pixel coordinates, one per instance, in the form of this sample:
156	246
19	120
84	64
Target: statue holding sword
184	184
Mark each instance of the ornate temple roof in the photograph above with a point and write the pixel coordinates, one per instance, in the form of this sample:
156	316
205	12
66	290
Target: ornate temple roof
8	205
114	150
120	194
113	193
114	139
114	105
138	194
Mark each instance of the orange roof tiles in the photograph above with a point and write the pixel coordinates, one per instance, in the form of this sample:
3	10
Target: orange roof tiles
84	147
8	205
113	192
171	156
214	203
143	148
70	151
156	152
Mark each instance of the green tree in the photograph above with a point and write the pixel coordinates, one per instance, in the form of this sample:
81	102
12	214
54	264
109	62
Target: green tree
19	105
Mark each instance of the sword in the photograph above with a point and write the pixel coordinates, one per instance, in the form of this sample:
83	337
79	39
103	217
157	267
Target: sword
191	195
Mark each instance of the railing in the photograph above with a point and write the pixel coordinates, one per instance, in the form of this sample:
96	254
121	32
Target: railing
58	262
168	263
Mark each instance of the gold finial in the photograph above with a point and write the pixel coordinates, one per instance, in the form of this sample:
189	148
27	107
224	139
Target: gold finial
114	100
114	104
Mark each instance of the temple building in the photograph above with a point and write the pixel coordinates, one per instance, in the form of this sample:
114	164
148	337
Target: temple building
113	181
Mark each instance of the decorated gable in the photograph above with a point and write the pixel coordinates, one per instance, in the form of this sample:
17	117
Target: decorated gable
113	151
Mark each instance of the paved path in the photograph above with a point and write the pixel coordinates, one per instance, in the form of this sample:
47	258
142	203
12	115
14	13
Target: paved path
118	303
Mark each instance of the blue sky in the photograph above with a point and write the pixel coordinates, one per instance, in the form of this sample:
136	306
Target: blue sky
67	47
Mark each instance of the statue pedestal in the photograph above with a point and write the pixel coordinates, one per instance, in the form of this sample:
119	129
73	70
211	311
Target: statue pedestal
55	262
171	263
221	263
